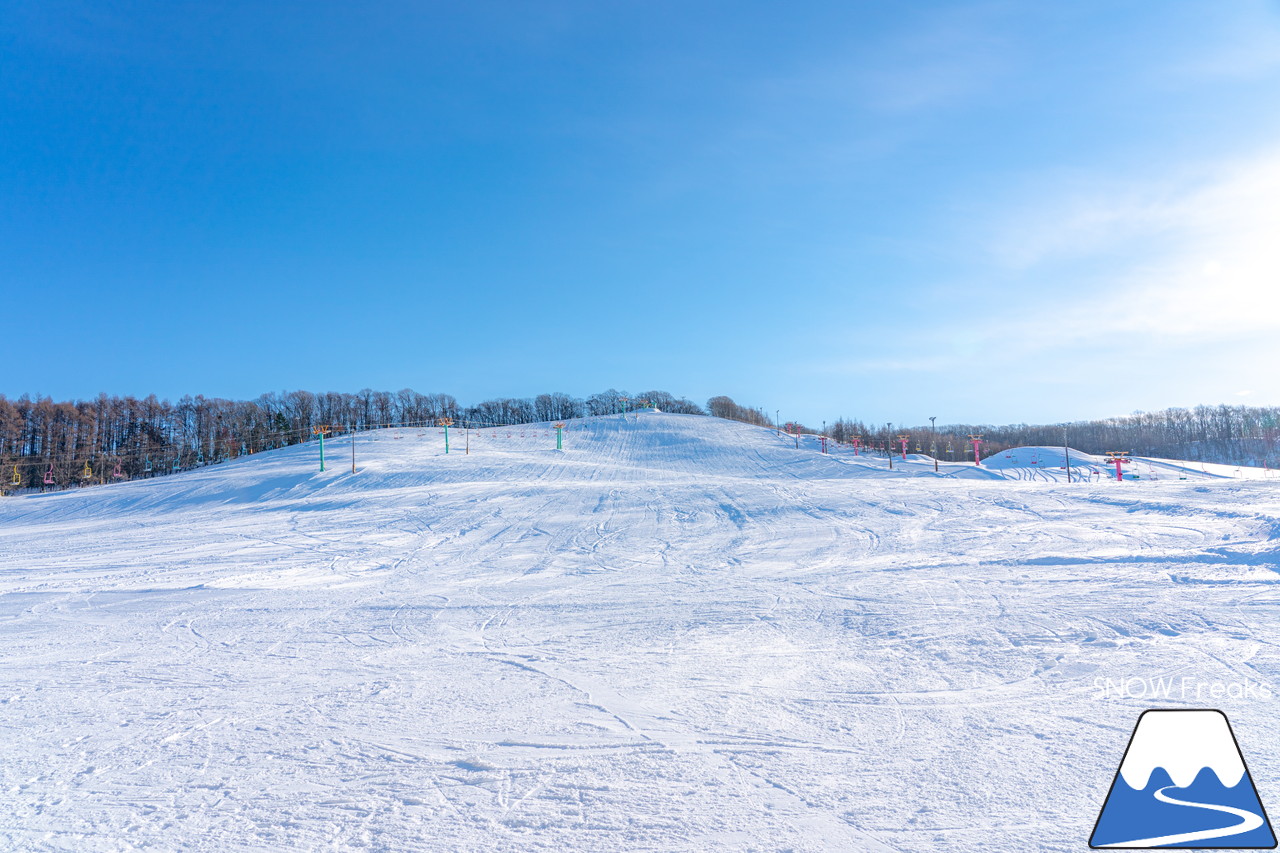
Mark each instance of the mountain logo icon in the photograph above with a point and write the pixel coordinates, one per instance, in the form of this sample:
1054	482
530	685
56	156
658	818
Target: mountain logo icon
1183	783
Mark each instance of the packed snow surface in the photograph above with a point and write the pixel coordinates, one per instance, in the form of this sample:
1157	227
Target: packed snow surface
679	633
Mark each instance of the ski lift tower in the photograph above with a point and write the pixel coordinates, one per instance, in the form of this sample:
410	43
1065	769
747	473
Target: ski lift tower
977	442
902	439
446	423
1117	458
857	442
320	431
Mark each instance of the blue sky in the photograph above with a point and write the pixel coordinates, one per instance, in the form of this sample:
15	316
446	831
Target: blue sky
986	212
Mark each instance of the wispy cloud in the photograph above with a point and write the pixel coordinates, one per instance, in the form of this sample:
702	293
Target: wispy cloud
1182	295
930	62
1196	260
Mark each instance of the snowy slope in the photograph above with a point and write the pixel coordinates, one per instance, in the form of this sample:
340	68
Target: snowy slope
678	634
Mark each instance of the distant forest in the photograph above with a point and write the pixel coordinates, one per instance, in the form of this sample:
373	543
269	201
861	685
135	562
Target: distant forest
93	441
1231	435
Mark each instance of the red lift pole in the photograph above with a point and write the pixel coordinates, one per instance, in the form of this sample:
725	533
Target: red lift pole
977	441
903	440
1117	458
857	442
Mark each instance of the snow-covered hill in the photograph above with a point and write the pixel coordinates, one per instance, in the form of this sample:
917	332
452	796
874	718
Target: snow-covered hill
679	633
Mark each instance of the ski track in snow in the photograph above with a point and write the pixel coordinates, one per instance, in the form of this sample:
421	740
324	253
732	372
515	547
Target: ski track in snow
679	634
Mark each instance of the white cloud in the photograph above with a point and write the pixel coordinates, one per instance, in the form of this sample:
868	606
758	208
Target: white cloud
1156	295
1196	259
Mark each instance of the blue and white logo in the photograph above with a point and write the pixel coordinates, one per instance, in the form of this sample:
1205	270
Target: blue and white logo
1183	783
